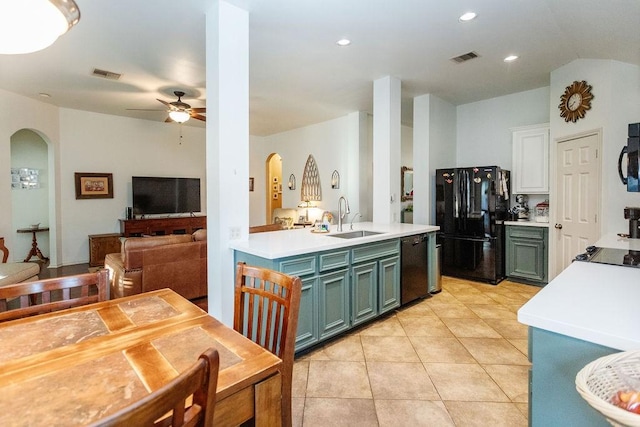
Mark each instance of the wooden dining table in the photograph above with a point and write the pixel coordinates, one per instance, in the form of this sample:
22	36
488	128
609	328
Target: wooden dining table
76	366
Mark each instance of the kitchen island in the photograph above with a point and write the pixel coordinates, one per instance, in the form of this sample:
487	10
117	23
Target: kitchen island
345	281
588	311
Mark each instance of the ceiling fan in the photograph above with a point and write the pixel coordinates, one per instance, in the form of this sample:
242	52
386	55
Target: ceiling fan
179	111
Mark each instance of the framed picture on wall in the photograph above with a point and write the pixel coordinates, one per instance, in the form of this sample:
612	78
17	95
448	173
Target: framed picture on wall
91	185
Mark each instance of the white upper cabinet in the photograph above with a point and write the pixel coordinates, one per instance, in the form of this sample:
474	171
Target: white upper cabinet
530	168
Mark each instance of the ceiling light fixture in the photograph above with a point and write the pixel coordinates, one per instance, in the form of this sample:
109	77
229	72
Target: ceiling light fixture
510	58
179	116
31	25
466	17
343	42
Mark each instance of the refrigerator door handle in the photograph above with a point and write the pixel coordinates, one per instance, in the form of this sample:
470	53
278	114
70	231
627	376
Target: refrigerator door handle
469	239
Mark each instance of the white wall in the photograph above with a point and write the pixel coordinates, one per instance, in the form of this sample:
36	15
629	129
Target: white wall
16	113
615	104
125	147
483	136
30	206
328	142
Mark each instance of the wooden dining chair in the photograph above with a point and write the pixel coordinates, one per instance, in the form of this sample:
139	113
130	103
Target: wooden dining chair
199	381
43	296
266	310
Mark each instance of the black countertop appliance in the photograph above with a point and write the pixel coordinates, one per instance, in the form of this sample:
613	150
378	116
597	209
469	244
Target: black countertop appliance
632	150
471	205
633	215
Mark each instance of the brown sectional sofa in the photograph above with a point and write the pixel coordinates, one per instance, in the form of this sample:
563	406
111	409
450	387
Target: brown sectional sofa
145	264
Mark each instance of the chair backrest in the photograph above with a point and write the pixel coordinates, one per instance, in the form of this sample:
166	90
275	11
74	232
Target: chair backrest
199	381
266	227
266	310
43	296
4	249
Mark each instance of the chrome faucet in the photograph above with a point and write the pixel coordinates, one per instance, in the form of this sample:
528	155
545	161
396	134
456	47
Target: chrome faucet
341	214
353	219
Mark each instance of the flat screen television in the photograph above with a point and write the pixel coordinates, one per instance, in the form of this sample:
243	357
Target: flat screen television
159	195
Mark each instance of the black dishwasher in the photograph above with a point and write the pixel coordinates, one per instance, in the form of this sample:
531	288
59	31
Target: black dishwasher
415	271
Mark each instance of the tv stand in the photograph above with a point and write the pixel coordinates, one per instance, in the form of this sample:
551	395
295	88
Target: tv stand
162	226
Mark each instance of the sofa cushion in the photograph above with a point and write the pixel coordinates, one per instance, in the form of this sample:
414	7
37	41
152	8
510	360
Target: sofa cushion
16	272
199	235
134	247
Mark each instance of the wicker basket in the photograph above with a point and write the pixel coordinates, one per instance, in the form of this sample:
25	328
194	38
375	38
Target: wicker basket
599	381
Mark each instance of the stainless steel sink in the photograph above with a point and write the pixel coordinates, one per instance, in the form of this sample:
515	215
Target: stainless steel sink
355	234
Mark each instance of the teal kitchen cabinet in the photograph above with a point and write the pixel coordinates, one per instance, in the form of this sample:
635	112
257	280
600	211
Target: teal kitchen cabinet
340	288
389	284
364	292
333	298
527	254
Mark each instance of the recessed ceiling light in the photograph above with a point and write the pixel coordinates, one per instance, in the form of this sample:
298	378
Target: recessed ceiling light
469	16
343	42
510	58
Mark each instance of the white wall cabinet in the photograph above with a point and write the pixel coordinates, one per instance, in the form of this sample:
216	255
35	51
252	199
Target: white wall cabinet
530	167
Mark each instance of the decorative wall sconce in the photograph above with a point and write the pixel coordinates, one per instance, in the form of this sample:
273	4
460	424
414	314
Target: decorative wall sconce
292	182
335	179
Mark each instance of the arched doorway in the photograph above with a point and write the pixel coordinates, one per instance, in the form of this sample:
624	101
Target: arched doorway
274	185
29	192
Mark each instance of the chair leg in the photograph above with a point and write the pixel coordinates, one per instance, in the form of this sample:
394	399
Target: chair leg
287	417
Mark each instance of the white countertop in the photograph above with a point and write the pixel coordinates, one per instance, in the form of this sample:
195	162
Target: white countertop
615	241
527	223
279	244
598	303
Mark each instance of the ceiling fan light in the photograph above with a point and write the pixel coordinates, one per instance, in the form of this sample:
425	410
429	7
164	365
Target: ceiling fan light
179	116
31	25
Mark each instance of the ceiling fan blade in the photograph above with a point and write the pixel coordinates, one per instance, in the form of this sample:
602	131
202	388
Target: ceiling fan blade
142	109
165	103
198	117
199	110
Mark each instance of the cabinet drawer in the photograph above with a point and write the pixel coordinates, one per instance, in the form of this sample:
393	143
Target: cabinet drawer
525	232
332	260
376	250
299	266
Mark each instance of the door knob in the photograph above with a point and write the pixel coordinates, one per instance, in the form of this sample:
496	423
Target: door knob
558	226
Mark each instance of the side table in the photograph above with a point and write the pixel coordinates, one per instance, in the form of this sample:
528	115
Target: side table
35	251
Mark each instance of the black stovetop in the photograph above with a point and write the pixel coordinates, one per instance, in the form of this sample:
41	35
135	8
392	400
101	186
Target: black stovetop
623	257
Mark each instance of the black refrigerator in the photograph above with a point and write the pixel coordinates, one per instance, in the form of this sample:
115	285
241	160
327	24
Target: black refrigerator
471	205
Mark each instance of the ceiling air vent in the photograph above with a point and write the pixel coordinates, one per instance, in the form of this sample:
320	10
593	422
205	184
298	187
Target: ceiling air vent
106	74
465	57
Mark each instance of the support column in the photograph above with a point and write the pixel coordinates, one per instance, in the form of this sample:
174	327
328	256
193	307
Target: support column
386	150
227	148
421	173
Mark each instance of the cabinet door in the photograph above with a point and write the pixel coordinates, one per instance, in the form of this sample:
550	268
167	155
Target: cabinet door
307	332
389	284
526	259
333	303
530	172
364	292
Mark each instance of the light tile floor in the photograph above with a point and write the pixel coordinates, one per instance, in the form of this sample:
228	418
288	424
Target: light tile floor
458	358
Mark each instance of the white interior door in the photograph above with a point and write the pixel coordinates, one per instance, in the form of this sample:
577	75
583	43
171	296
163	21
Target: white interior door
578	190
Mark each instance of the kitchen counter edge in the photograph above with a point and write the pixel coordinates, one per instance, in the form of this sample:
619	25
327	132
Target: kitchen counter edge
285	243
597	303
